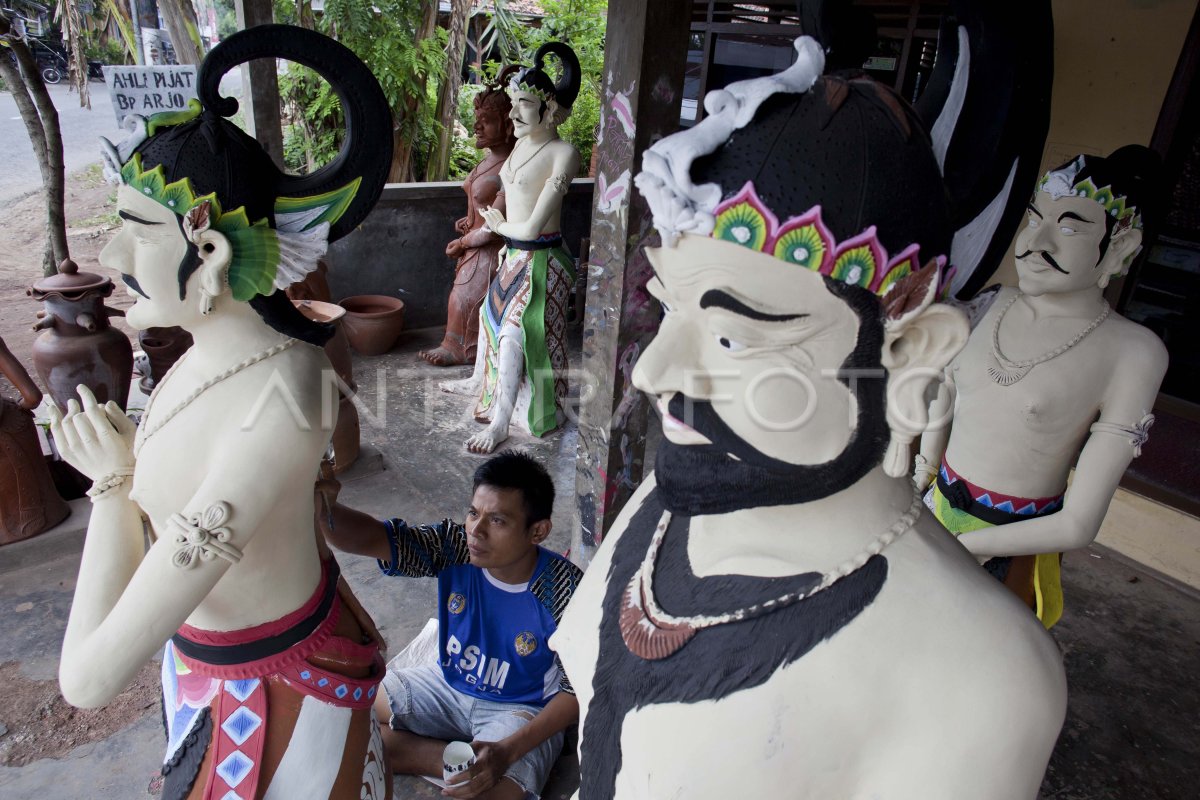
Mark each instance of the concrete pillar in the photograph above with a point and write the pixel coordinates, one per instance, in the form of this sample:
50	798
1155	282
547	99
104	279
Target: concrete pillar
260	84
644	60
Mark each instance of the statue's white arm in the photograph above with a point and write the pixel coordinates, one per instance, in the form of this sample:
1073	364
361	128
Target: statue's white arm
127	605
548	208
937	434
1098	471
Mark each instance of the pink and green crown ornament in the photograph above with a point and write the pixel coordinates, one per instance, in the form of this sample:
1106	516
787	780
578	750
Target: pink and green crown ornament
807	242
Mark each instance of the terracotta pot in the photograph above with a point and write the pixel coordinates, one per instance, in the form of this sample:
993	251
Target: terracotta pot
29	503
346	432
78	345
372	322
163	347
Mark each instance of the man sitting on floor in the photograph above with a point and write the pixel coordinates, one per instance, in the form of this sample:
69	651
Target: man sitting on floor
500	597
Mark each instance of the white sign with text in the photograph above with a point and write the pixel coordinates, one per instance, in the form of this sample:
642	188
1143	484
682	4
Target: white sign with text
150	90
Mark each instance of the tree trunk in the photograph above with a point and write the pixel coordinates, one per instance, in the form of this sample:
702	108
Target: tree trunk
447	107
305	14
401	170
41	121
180	17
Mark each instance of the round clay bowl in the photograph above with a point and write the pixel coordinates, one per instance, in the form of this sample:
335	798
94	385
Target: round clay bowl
372	322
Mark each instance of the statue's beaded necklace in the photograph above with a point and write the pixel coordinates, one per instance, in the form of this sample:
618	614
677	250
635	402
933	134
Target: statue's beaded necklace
512	171
651	633
146	429
1006	372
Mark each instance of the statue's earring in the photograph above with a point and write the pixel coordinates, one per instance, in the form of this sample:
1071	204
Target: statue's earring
897	459
196	223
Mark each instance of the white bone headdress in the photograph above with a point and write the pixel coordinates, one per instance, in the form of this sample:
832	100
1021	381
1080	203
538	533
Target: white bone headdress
678	205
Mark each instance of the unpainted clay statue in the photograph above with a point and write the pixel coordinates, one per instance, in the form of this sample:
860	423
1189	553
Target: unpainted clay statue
521	364
270	667
1050	380
29	503
477	248
774	613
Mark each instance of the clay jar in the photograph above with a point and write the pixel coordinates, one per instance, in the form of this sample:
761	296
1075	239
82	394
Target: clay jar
163	347
78	345
29	503
346	431
373	322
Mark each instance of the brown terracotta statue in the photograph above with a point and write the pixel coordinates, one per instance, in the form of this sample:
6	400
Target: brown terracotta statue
477	248
29	503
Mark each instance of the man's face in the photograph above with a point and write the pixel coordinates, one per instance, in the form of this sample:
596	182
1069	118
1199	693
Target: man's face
147	251
760	340
525	114
489	128
497	534
1059	248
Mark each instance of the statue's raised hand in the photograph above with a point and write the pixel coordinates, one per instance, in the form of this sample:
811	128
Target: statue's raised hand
494	218
96	440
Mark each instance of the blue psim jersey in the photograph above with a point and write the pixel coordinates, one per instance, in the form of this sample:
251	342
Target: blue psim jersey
492	635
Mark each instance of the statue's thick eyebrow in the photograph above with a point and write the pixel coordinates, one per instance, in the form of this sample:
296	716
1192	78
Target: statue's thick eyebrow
127	216
1073	215
1033	208
715	298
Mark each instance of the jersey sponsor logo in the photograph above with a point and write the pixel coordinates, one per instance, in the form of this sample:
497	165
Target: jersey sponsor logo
456	603
525	643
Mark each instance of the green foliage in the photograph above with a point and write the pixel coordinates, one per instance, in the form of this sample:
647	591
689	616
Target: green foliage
382	33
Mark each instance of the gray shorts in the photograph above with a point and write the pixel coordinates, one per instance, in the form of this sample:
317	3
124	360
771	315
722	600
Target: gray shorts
423	703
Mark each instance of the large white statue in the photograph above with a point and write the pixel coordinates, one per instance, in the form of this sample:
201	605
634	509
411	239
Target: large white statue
1050	380
271	667
521	361
774	613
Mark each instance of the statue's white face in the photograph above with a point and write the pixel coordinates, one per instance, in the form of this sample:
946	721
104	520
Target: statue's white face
147	251
760	340
1058	250
525	111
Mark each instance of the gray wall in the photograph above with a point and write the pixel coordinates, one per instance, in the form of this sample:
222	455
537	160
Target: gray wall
400	248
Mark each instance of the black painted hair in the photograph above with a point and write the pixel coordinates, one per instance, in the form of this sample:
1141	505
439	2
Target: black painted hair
566	90
511	469
850	145
218	157
1133	171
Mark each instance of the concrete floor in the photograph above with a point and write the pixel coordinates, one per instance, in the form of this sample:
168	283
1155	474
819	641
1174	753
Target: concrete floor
1130	638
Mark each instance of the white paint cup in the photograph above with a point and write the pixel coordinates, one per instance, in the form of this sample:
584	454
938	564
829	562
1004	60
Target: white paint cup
457	757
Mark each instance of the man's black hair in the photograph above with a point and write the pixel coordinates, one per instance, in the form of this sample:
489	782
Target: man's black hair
511	469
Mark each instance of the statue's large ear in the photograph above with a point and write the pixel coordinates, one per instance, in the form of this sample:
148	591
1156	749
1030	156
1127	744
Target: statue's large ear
1121	251
921	337
214	251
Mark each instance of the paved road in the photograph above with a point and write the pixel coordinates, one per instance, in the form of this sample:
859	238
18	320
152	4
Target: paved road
81	130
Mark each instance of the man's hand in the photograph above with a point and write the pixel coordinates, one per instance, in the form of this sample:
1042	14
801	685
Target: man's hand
492	760
455	248
463	225
325	497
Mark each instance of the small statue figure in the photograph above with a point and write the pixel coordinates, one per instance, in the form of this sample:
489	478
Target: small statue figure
522	353
1050	380
774	614
478	247
29	503
271	666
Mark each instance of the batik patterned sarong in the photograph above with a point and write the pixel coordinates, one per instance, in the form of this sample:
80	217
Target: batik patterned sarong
530	292
279	710
962	506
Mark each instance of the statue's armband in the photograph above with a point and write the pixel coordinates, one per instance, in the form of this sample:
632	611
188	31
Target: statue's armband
202	536
559	184
1137	435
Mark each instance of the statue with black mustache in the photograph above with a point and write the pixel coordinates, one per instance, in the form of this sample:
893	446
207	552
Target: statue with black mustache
774	613
1051	379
